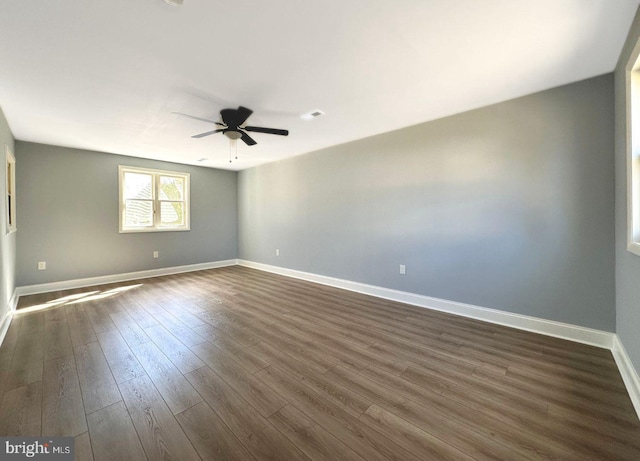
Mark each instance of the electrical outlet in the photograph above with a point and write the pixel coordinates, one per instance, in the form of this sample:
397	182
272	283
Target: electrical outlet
155	255
277	252
403	269
42	265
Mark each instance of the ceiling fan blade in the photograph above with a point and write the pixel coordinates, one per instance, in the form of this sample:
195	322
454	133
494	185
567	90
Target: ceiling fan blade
248	140
207	133
197	118
259	129
242	114
228	116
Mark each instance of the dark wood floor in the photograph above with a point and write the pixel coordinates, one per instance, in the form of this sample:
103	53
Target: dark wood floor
235	363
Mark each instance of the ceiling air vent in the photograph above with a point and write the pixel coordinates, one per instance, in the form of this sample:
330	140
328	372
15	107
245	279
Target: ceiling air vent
311	115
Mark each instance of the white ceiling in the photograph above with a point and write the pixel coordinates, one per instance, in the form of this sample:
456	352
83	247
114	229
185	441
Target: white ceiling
107	75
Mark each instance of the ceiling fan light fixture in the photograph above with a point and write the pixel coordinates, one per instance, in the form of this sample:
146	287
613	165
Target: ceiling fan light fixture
233	135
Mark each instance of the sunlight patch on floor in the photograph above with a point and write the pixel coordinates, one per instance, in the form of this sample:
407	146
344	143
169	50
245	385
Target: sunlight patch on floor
76	298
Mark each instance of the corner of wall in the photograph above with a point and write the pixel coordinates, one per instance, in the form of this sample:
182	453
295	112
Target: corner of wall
628	372
6	320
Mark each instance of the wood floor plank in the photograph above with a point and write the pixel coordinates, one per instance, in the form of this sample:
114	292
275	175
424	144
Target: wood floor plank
419	442
295	343
210	435
160	433
82	447
11	337
366	442
80	328
139	314
113	436
7	350
251	359
129	329
342	396
490	421
189	337
249	426
225	325
434	419
179	354
33	300
99	317
57	340
121	360
182	314
171	384
98	386
54	314
317	443
32	323
621	432
27	360
21	411
63	406
264	399
547	395
464	388
296	365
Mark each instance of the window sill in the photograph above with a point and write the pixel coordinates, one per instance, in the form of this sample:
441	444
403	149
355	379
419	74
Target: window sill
634	248
138	231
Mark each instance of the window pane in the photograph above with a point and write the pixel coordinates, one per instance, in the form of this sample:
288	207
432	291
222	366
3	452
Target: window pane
138	185
171	214
138	213
171	188
153	200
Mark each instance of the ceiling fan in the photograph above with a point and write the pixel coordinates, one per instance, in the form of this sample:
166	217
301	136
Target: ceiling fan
232	126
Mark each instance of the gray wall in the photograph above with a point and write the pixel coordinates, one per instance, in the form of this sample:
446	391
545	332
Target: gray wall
509	206
68	217
7	242
627	263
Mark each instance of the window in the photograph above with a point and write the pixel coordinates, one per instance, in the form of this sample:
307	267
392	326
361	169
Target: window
153	200
633	154
11	190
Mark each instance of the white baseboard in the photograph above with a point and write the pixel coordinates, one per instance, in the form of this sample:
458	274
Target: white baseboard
8	316
628	372
115	278
567	331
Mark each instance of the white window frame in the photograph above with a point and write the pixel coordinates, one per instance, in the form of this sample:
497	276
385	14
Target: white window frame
10	175
632	89
156	174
